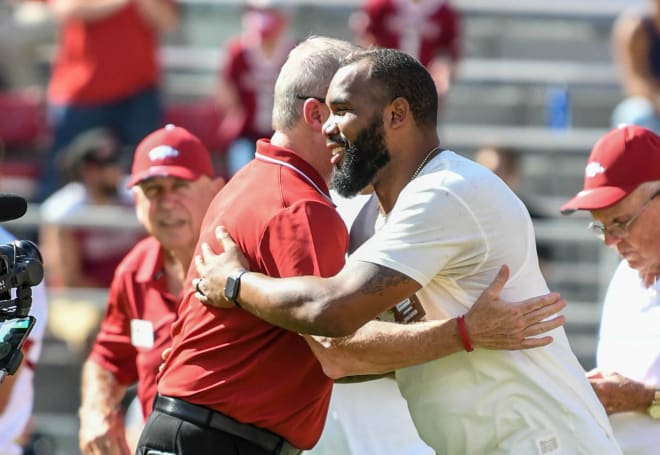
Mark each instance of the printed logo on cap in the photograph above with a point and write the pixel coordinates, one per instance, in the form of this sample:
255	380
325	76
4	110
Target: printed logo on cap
593	169
163	152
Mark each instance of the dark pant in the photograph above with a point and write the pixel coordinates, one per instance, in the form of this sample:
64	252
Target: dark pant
131	118
172	433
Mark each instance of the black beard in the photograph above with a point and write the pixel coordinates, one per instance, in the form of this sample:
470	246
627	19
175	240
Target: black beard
361	161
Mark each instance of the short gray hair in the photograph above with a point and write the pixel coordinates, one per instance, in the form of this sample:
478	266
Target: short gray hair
306	72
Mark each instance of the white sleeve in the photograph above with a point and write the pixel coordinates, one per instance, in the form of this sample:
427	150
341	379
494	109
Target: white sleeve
430	229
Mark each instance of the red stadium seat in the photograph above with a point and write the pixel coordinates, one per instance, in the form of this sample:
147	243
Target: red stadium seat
22	119
202	118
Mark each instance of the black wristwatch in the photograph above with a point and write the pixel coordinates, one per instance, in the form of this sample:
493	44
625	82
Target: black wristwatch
233	285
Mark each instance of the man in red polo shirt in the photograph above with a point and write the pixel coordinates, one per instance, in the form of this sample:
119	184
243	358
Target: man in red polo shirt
233	383
173	184
105	72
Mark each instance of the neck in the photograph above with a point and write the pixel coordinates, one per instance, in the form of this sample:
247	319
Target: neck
269	46
399	172
101	198
176	267
307	147
97	193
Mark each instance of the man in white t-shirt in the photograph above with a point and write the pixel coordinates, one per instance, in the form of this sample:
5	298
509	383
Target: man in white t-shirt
17	391
621	189
370	417
446	225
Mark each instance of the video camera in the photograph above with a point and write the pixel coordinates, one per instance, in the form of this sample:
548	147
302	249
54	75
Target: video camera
20	269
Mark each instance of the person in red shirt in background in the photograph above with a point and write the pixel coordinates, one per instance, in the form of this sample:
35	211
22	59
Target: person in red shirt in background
105	72
429	30
246	81
173	183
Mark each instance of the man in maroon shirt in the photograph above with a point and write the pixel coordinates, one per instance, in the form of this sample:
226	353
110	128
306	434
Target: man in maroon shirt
173	183
252	62
234	383
429	30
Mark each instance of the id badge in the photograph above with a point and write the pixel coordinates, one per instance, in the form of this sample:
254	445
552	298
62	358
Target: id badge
409	310
405	312
142	333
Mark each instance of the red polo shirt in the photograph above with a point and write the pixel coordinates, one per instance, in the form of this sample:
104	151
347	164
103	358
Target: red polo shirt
232	361
137	323
104	60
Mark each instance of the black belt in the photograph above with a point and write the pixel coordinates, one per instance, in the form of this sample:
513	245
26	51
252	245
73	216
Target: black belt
199	415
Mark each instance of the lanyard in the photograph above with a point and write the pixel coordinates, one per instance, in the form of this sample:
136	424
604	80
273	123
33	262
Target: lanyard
268	159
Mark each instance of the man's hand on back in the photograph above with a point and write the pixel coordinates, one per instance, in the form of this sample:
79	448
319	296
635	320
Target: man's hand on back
495	324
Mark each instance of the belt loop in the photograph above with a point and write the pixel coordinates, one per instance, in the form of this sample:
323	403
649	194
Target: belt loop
208	418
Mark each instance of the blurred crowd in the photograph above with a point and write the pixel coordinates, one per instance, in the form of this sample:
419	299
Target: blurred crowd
81	87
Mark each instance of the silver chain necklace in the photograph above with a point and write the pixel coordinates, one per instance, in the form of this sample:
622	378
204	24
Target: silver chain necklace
425	161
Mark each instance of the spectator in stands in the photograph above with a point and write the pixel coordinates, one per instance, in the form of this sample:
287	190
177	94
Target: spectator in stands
636	39
80	256
252	61
173	183
105	72
429	30
621	189
506	163
17	391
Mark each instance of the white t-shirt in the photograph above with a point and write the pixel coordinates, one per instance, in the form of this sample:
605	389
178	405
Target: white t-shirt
73	198
450	230
367	418
630	344
19	408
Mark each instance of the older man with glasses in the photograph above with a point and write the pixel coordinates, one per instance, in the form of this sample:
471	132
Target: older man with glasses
621	185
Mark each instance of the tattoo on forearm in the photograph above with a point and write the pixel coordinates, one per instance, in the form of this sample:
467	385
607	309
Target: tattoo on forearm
385	279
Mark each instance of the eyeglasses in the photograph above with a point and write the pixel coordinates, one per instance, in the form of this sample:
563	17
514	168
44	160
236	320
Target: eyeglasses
617	229
317	98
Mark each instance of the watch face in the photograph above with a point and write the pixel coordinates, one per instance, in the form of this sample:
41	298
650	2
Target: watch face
654	411
231	288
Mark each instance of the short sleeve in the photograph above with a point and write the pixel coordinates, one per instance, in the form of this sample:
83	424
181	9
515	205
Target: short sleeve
429	230
112	348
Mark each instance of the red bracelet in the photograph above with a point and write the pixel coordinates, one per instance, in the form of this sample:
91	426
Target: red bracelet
462	331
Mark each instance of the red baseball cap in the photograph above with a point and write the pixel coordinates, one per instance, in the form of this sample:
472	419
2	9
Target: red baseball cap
619	162
171	151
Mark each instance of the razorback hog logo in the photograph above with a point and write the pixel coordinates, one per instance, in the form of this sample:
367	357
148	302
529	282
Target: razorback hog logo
162	152
593	169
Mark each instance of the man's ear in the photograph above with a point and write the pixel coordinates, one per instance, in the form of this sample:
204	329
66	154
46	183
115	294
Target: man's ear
315	113
397	113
